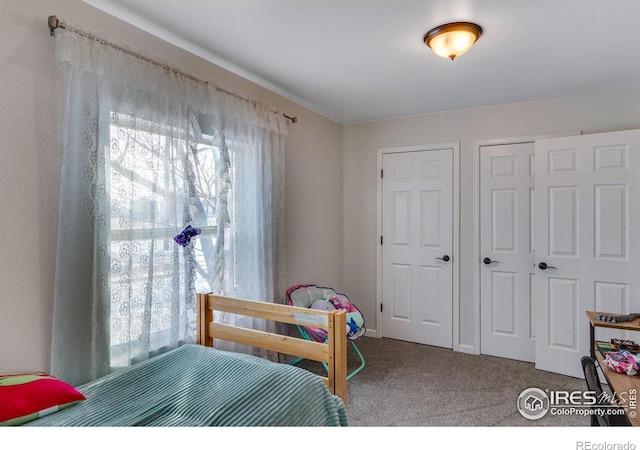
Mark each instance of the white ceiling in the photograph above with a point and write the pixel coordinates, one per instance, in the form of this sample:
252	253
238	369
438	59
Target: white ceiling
361	60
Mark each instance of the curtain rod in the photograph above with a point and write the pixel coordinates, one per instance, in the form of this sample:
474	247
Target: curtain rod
54	23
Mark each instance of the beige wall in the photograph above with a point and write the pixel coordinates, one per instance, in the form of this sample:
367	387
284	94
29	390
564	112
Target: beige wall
29	120
330	171
607	111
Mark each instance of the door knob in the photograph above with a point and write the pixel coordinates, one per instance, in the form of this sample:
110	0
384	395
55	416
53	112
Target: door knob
543	266
444	258
489	261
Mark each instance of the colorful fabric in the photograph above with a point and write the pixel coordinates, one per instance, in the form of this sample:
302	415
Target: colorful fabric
306	295
621	362
26	397
184	238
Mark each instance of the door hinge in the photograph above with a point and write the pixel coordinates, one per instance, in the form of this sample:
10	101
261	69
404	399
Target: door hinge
381	240
380	307
381	173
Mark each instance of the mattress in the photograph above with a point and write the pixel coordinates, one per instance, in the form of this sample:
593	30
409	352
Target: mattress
195	385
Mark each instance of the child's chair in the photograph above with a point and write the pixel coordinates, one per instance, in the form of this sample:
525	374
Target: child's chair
315	297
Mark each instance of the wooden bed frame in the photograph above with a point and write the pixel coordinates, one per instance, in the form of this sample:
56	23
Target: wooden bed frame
333	352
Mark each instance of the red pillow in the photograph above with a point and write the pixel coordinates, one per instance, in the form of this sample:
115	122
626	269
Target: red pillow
26	397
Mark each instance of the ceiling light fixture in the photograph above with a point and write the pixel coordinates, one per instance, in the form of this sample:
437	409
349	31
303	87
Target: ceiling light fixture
453	39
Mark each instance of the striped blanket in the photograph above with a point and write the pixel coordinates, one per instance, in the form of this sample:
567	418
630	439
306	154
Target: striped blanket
200	386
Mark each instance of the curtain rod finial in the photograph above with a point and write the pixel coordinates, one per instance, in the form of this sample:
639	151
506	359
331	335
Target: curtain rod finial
53	24
293	119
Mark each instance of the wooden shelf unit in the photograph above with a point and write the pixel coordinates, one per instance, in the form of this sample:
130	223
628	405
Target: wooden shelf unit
618	382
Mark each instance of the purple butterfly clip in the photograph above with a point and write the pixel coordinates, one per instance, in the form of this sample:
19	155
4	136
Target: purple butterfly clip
185	237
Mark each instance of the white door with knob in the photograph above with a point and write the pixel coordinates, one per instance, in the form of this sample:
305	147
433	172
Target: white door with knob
417	245
507	249
587	206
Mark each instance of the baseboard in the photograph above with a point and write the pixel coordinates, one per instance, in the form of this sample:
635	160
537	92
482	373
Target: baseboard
466	348
371	333
463	348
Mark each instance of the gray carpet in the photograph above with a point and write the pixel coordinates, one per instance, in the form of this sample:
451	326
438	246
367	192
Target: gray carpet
412	385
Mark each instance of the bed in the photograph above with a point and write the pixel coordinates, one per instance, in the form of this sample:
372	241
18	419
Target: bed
197	385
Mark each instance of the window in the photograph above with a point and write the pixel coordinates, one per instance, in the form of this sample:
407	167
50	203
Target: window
151	170
133	175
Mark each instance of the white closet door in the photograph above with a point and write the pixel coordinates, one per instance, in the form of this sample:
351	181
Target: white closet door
507	250
587	241
417	247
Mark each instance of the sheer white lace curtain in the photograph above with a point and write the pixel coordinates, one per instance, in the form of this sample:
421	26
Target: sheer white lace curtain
144	152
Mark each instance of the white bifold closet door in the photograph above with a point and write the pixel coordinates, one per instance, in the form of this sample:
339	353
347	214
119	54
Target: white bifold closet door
587	240
507	251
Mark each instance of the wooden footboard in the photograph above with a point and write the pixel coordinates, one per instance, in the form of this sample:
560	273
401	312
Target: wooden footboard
333	353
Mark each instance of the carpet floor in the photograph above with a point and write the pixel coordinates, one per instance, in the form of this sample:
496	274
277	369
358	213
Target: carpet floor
412	385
